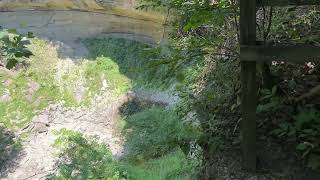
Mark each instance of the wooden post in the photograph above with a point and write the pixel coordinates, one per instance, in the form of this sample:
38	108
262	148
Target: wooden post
249	85
249	54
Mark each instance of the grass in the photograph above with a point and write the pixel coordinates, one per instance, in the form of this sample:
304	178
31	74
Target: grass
131	59
174	165
154	137
107	69
83	157
155	132
57	81
116	65
2	87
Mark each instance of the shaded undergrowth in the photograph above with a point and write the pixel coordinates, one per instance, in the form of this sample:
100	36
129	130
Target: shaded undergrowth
153	136
132	58
153	151
155	132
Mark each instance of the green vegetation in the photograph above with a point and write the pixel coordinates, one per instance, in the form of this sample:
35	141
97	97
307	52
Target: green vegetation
156	137
105	68
199	137
13	48
155	132
84	158
303	133
81	158
131	57
202	53
152	150
173	166
48	79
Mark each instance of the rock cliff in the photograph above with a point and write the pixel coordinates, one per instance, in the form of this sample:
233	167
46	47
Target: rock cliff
116	7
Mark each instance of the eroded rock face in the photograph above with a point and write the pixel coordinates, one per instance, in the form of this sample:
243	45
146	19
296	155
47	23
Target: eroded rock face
81	4
128	4
117	7
69	20
68	26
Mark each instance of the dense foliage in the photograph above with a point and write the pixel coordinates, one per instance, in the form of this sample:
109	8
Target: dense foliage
154	136
13	49
201	61
155	132
202	54
81	158
129	56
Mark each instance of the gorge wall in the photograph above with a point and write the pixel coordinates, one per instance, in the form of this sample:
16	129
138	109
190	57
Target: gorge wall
69	20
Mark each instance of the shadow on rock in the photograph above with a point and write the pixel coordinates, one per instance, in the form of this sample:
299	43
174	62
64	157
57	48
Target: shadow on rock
135	105
9	148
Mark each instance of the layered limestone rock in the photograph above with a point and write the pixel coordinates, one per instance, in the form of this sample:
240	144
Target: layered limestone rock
72	25
67	4
69	20
116	7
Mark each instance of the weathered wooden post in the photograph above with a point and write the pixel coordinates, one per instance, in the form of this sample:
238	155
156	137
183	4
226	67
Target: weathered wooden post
249	85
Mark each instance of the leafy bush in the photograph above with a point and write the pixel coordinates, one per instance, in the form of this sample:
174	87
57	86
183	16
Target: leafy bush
155	132
304	132
299	25
210	31
293	122
13	48
214	102
83	158
269	101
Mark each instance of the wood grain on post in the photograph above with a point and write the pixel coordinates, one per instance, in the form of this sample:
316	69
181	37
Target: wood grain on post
249	86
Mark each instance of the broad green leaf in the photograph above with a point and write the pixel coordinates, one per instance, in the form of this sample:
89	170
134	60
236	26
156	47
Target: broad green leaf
11	63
